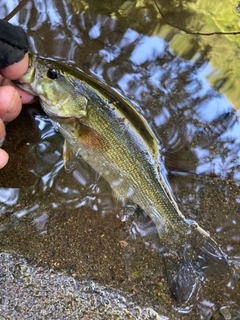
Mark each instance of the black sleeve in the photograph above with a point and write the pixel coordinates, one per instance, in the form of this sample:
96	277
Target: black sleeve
13	44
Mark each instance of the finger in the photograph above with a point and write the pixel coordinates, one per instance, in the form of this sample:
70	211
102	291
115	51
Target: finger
10	103
3	158
2	130
16	70
25	96
1	80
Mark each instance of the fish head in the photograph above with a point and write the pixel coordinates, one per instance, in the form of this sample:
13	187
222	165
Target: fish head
58	95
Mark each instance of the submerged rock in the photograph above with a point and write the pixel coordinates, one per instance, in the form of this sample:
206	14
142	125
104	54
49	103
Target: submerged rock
32	292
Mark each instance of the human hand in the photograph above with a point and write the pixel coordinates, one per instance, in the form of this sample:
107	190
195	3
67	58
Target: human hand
13	64
11	98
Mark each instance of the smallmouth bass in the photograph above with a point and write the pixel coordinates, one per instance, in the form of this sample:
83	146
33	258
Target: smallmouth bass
106	131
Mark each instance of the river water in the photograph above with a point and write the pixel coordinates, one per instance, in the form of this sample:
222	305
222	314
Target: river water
177	62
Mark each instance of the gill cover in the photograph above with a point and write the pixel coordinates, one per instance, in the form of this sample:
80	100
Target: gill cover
58	95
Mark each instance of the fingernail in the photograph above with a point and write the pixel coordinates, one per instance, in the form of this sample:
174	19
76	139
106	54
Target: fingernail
12	105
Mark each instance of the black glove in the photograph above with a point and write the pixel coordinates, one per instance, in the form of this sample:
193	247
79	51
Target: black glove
13	44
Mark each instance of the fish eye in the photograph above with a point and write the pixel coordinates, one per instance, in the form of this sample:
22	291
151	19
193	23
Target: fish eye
52	74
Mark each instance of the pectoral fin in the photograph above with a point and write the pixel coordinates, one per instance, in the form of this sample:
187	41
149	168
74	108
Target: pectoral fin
89	138
80	136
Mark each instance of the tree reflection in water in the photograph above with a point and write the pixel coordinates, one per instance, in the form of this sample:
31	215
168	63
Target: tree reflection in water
184	84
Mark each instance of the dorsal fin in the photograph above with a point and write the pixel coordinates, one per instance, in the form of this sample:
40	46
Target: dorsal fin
87	85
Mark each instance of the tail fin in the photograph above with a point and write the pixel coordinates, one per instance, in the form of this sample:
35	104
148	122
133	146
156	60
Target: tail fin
200	258
185	282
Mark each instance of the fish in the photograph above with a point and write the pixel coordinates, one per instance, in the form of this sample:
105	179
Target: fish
104	128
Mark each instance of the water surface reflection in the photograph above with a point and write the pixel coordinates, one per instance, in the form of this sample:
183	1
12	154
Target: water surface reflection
184	92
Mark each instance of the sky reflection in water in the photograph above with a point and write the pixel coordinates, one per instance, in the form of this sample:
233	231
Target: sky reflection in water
195	124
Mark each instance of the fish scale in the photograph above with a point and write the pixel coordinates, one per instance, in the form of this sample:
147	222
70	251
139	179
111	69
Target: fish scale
103	128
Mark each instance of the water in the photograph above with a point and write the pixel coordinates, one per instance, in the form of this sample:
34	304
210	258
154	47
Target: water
186	86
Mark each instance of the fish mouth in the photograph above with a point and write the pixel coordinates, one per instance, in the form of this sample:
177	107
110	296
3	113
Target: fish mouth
26	81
